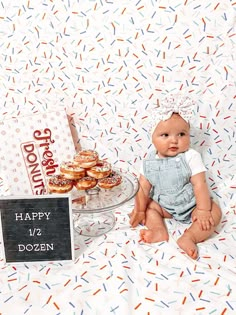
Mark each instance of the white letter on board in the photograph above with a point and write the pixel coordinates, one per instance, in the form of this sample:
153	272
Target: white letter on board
21	247
47	214
19	216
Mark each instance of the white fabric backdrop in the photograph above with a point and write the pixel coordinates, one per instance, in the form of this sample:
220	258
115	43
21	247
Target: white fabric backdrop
107	63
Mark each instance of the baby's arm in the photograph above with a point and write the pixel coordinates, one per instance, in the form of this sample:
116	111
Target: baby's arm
202	213
141	199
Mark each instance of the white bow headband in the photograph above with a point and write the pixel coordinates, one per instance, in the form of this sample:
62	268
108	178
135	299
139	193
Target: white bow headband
183	105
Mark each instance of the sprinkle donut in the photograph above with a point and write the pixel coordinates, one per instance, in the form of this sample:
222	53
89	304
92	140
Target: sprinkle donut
114	179
85	183
59	184
86	158
71	170
100	170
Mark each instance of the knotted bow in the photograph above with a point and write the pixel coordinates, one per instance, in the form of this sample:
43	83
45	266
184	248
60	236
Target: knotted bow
183	105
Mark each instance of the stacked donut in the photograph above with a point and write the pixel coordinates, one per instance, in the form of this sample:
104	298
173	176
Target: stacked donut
84	172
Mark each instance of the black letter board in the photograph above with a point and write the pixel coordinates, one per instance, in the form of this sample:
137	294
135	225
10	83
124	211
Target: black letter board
37	228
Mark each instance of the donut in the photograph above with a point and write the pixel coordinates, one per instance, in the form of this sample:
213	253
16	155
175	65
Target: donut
100	170
86	158
71	170
59	184
85	183
81	200
114	179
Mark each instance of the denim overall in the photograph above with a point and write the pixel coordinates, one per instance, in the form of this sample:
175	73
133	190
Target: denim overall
171	187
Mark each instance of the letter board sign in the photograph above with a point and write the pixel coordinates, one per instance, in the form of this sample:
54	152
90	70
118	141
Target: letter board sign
37	228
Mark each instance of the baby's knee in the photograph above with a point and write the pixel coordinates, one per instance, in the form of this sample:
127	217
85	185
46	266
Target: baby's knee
153	206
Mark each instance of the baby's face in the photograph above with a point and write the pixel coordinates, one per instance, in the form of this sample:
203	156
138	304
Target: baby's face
171	136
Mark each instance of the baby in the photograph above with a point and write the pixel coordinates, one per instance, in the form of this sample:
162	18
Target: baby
172	182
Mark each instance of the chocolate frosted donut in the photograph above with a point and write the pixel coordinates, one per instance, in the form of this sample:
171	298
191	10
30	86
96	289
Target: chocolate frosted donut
85	183
114	179
71	170
59	184
100	170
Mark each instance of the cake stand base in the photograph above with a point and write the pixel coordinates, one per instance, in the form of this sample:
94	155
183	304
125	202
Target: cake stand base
93	224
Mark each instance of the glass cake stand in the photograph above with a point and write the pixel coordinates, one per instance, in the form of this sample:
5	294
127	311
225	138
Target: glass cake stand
93	209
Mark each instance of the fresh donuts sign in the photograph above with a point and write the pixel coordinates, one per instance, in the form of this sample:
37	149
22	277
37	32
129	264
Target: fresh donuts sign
36	168
32	147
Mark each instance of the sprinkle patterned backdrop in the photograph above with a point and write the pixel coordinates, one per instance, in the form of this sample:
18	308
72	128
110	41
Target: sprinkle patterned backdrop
108	63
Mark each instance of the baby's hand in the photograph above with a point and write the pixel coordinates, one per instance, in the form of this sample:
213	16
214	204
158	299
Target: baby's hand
204	219
136	217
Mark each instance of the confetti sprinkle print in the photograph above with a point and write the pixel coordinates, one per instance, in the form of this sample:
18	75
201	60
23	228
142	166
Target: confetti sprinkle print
109	63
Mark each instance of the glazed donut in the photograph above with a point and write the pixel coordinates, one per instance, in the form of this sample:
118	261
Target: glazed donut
85	183
86	158
71	170
59	184
100	170
114	179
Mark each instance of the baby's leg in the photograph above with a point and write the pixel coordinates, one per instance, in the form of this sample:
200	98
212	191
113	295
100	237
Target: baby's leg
196	235
154	221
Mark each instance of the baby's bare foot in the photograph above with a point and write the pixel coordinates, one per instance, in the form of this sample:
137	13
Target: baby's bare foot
154	236
188	246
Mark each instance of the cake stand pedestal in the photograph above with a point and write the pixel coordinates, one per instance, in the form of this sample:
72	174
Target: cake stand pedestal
93	209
